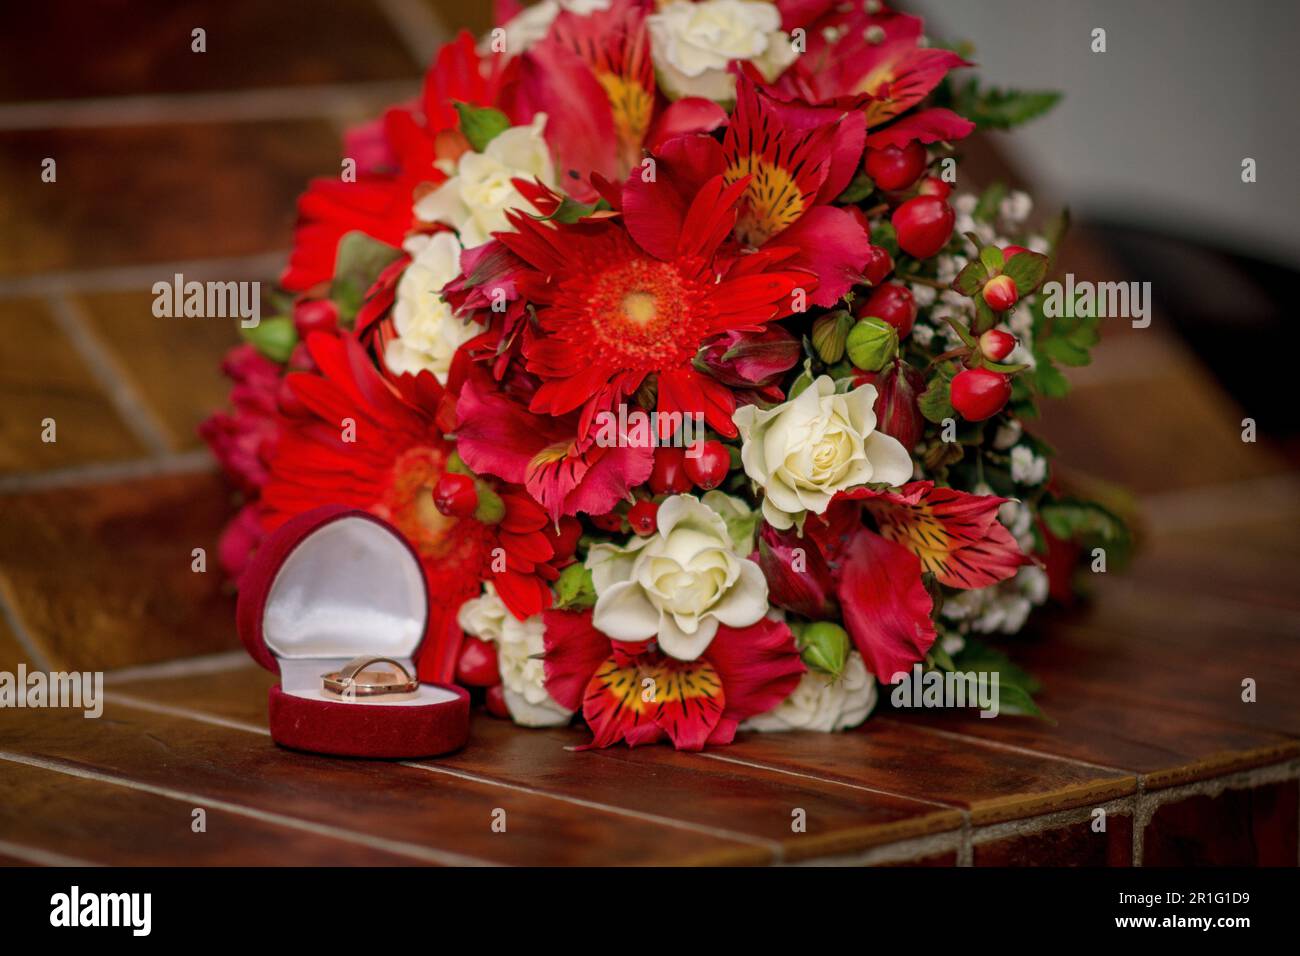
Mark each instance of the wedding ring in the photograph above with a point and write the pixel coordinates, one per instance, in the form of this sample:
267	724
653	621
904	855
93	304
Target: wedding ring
353	680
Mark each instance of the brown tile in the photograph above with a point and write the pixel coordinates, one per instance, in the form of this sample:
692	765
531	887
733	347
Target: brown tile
103	823
175	364
11	652
1072	845
1176	430
455	15
658	781
941	859
385	800
101	574
130	195
889	755
1255	827
122	48
42	376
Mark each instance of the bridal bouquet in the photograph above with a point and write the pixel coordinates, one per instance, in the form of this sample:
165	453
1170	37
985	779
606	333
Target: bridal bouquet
667	337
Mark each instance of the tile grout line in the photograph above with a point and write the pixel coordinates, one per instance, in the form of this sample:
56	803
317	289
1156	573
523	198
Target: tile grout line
219	663
112	377
41	857
419	28
197	461
130	278
317	101
771	846
839	783
1010	748
12	617
397	847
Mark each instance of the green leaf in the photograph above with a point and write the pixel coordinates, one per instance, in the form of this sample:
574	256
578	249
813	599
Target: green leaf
574	588
936	401
858	189
1018	702
481	124
986	210
1027	270
1016	686
971	278
361	258
884	235
994	108
274	337
1048	378
1064	351
993	259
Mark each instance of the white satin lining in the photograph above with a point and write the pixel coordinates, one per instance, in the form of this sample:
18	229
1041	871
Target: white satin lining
347	589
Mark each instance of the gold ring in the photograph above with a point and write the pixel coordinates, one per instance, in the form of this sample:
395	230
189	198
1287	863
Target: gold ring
353	680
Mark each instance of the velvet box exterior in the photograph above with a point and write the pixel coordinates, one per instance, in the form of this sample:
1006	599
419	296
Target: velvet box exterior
328	586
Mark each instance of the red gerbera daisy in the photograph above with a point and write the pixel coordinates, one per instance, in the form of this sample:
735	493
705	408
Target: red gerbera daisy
611	314
367	445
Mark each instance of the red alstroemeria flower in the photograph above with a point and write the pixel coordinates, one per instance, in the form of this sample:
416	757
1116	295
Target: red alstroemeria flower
388	463
744	672
885	75
379	203
613	310
497	435
877	574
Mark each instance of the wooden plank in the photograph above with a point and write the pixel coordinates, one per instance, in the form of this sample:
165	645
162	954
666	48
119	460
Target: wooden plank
427	816
113	825
755	802
993	785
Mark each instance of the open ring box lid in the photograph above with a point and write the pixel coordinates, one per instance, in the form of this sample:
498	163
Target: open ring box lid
330	585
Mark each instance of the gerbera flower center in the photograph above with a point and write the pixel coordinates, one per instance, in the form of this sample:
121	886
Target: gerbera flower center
638	313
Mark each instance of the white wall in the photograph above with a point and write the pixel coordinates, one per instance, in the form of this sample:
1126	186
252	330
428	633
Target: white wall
1153	131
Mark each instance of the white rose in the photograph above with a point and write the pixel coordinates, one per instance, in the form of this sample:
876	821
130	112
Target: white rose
428	333
692	43
532	23
804	451
475	200
520	646
822	702
680	583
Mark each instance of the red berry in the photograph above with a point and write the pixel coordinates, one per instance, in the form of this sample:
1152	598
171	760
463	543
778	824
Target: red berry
454	495
644	517
710	466
610	521
564	541
923	225
996	344
893	168
978	393
315	315
1009	251
477	664
893	303
668	476
879	264
934	186
496	702
1000	293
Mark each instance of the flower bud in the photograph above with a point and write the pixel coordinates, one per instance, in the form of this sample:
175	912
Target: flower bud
898	389
871	343
829	335
824	645
798	578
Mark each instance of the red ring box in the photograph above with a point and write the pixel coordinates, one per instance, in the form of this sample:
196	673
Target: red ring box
327	586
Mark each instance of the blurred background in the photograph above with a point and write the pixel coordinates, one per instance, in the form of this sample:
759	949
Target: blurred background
174	161
1146	148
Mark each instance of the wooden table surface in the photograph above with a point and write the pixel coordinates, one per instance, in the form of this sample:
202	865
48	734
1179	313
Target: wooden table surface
168	162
